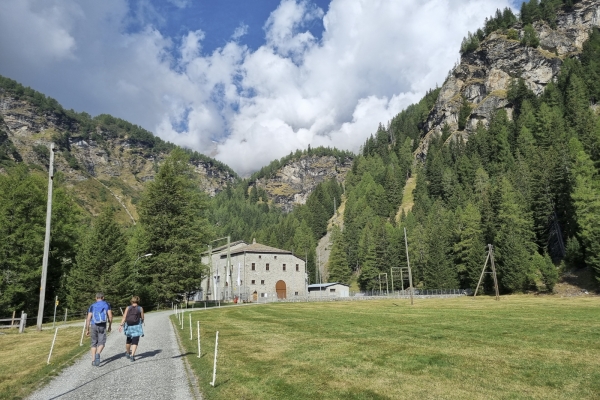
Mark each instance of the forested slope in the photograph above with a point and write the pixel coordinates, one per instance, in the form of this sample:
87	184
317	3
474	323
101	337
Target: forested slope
525	180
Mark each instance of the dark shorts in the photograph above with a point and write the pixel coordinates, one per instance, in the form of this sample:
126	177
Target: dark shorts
98	334
133	340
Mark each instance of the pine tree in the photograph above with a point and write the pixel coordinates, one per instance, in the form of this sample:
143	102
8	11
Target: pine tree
438	272
586	198
470	248
514	240
174	230
338	268
369	273
99	265
22	229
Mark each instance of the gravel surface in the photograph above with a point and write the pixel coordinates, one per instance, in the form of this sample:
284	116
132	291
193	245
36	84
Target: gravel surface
157	373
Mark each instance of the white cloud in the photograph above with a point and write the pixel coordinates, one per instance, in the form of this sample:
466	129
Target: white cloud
240	31
375	58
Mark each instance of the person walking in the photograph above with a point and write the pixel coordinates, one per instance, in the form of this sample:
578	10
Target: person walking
131	323
98	315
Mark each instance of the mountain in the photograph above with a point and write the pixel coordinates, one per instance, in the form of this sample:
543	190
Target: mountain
104	160
482	80
289	181
505	153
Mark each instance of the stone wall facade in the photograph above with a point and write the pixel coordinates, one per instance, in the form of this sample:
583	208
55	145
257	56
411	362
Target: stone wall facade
264	272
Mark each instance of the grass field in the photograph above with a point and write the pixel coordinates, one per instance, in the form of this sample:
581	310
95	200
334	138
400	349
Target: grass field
522	347
23	358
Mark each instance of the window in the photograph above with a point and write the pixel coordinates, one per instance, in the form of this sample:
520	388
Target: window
276	257
253	267
267	267
331	290
297	267
284	267
259	257
296	293
253	282
262	281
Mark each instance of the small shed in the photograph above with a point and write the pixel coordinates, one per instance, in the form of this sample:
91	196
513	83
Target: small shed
335	289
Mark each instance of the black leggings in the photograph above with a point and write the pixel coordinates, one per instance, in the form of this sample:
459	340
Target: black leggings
133	340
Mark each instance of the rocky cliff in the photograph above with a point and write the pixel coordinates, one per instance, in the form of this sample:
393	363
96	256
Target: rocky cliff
483	76
295	180
99	172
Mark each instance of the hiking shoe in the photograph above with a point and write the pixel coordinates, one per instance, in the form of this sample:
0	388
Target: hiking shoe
97	360
132	358
127	355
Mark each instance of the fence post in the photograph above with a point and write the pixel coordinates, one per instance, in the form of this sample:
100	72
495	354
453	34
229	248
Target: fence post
215	363
82	332
66	310
199	353
52	347
12	322
23	322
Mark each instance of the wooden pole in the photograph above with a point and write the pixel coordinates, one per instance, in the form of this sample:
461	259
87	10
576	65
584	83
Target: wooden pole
494	273
191	331
482	272
409	271
46	241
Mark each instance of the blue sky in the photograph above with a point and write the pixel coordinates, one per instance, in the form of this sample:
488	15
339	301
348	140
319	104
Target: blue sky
244	81
218	19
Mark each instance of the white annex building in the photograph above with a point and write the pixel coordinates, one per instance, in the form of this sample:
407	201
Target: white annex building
336	289
249	272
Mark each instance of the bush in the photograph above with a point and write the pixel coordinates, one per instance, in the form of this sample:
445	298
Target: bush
530	38
512	34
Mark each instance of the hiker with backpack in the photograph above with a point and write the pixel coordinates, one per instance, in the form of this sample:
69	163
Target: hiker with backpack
132	325
99	314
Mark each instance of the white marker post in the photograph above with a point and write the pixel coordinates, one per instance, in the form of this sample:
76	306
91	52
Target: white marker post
82	332
182	318
191	331
199	353
215	364
52	347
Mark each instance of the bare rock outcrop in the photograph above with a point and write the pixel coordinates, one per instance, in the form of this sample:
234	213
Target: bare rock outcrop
295	181
484	75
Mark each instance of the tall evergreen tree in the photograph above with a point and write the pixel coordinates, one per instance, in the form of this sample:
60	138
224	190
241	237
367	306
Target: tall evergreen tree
469	250
174	230
338	268
514	240
99	265
23	202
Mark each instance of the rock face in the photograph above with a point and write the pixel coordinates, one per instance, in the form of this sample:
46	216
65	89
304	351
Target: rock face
484	75
113	171
294	182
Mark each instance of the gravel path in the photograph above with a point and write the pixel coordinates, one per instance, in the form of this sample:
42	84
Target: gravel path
157	373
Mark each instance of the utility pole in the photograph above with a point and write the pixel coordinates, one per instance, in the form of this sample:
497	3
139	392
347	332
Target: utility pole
409	271
46	241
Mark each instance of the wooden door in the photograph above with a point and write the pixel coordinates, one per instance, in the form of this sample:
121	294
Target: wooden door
281	290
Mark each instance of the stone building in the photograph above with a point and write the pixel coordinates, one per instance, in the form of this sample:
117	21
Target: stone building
253	271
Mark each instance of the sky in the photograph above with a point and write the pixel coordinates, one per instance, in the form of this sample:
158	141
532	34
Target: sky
243	81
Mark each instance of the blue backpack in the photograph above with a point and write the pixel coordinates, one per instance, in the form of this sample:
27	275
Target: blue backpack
99	312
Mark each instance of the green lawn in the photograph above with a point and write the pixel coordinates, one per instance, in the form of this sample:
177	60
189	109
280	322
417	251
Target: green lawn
520	347
24	357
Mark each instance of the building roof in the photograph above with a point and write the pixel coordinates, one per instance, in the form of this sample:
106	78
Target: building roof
224	247
325	285
259	248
